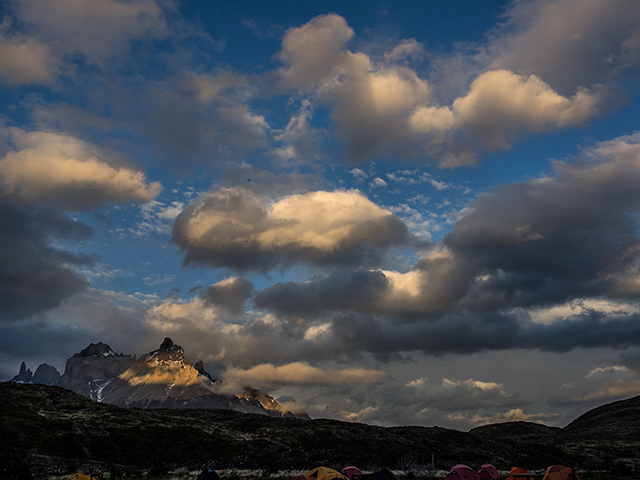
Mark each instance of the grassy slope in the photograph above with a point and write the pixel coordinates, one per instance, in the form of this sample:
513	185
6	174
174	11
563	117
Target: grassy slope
54	422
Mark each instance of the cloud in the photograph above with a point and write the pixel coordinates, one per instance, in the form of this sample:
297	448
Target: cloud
600	385
34	275
58	168
229	294
95	29
235	228
313	52
299	373
500	106
56	31
26	61
387	108
567	43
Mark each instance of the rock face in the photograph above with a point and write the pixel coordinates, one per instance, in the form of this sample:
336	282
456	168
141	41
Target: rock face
163	378
46	375
24	375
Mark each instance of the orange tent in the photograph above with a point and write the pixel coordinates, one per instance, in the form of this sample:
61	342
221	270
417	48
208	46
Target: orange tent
560	472
80	476
516	471
324	473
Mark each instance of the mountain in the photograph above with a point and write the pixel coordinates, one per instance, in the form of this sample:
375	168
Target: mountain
54	431
163	378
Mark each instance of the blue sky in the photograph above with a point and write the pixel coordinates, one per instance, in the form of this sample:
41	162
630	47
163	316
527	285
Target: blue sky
396	214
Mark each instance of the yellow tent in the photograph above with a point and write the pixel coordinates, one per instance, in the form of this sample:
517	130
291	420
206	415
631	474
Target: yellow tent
324	473
80	476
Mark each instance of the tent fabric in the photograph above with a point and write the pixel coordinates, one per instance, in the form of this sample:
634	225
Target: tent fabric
351	473
518	471
81	476
488	472
208	474
324	473
302	477
462	472
560	472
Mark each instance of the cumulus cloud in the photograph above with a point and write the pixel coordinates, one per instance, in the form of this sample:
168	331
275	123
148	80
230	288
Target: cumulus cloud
60	29
58	168
235	228
229	294
386	107
500	106
567	43
526	265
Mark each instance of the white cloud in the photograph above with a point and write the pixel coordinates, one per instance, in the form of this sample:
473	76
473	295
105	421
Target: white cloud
235	227
56	167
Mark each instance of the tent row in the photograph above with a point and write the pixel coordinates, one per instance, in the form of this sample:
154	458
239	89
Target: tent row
489	472
458	472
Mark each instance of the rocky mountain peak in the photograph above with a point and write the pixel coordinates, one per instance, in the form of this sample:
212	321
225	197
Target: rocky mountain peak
46	375
24	376
96	350
199	366
169	352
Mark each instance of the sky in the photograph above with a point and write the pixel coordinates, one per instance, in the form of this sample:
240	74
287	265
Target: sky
407	213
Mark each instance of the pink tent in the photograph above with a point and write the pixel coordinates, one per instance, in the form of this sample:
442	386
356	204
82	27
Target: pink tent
352	473
462	472
488	472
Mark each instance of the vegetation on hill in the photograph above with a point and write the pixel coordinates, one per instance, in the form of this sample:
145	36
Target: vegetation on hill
59	430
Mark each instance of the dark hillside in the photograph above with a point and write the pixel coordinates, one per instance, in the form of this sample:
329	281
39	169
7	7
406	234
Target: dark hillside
62	428
609	431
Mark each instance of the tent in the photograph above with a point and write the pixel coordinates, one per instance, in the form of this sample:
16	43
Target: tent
302	477
462	472
518	471
324	473
80	476
352	473
560	472
208	474
488	472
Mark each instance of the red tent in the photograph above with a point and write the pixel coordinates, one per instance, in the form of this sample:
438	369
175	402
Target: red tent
462	472
352	473
488	472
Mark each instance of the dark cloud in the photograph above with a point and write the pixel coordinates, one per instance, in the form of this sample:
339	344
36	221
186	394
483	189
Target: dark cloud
567	43
470	332
340	290
230	294
529	245
34	275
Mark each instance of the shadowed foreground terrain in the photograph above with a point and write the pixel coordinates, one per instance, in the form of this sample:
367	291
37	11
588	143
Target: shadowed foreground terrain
52	430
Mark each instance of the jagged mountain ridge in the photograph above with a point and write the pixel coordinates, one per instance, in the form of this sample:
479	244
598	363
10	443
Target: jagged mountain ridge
163	378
